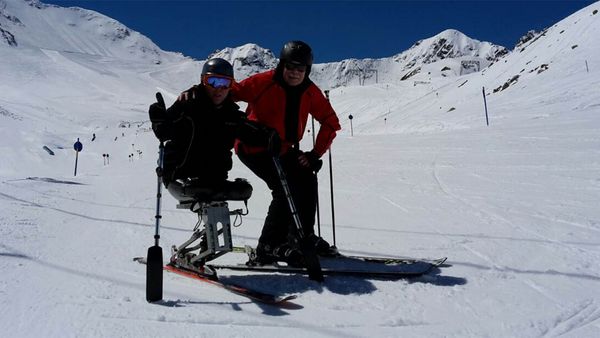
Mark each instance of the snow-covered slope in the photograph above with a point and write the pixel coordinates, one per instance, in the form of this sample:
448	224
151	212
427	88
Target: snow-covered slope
513	205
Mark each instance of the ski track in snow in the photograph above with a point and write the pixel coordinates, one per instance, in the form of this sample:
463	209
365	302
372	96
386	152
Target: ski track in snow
574	317
495	218
585	313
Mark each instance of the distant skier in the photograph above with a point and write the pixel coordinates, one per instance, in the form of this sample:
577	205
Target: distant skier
93	137
282	99
201	131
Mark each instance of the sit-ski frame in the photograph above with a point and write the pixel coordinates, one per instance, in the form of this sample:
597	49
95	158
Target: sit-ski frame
214	238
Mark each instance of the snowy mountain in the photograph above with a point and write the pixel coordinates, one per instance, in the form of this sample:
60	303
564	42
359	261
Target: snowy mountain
449	44
513	205
76	30
248	59
67	55
449	53
471	55
31	23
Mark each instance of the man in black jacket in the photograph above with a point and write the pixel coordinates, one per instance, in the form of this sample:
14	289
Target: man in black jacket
201	132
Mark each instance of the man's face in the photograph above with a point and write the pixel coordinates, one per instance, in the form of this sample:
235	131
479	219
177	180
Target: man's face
217	95
293	74
217	88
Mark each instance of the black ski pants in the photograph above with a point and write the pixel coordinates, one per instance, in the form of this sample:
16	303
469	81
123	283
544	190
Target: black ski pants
279	223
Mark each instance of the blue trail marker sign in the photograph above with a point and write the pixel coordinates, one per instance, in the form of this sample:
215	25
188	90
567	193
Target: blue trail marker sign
78	147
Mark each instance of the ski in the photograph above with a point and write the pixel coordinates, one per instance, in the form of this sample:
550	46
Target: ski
371	267
415	270
231	287
438	262
395	260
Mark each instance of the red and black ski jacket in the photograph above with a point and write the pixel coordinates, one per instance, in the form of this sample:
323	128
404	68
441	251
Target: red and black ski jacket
272	103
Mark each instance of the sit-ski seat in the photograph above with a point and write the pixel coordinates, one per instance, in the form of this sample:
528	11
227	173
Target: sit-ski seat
209	201
193	190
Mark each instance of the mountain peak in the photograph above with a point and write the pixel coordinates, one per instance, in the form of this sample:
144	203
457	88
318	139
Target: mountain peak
451	33
449	43
247	59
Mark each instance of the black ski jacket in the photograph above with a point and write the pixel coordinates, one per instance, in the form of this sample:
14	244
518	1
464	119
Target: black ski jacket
200	137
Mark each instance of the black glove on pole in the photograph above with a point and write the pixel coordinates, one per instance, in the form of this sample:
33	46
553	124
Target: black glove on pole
154	262
310	254
314	162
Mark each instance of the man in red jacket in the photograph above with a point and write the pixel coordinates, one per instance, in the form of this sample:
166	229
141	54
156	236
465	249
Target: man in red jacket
282	99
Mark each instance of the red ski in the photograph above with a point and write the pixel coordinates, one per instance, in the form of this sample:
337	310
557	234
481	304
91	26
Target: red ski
231	287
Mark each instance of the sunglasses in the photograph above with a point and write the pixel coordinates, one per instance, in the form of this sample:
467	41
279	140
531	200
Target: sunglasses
299	68
217	82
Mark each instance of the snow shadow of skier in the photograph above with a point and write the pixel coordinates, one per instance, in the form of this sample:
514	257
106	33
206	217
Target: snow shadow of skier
290	284
272	310
433	277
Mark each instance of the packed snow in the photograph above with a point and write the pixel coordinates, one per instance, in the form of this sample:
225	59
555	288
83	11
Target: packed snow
513	205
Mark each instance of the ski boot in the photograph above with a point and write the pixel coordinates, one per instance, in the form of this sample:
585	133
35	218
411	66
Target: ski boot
322	247
266	254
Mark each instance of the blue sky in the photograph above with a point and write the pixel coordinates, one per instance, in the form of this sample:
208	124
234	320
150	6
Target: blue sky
336	30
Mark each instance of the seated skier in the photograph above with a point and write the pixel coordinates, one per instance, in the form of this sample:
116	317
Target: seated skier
201	132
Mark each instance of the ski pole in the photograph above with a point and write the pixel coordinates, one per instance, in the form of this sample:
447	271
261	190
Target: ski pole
332	204
161	153
331	186
317	180
310	255
154	261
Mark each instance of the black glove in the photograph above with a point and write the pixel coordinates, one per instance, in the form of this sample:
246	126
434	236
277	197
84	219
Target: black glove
274	143
311	160
158	117
158	110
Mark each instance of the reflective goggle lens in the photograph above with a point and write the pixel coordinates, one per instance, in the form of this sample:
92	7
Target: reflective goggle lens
218	82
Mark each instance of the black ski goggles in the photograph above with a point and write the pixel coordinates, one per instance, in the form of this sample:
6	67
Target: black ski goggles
293	66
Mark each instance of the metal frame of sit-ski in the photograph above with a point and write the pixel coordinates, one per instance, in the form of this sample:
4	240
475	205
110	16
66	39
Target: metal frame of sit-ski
214	225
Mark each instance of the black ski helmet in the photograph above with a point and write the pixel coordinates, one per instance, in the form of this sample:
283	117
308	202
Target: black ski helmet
297	52
217	66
